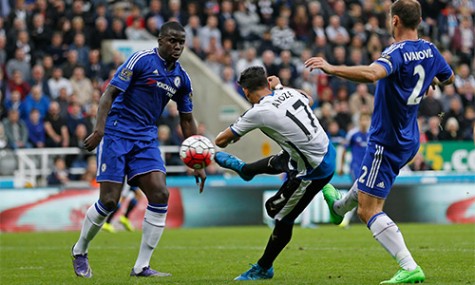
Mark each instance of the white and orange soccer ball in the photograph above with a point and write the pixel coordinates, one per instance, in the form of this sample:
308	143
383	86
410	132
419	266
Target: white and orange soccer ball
197	152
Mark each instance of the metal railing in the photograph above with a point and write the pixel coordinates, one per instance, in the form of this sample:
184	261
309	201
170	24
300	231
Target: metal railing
34	163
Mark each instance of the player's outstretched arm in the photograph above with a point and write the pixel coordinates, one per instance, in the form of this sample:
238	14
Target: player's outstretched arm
361	73
188	127
93	140
225	137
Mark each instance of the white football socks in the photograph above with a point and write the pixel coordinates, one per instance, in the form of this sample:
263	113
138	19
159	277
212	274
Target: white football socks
95	218
153	226
387	233
348	202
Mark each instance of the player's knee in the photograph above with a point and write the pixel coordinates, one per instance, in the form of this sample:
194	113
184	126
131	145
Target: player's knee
109	203
158	195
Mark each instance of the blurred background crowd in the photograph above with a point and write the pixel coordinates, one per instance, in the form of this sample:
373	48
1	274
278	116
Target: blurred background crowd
52	74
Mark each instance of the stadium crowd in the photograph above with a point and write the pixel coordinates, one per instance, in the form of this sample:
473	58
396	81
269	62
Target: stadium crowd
52	75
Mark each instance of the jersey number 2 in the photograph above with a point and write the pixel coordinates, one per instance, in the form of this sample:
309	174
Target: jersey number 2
415	99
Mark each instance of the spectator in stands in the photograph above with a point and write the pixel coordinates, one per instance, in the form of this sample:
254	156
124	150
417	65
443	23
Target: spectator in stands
79	44
250	59
343	116
467	94
430	106
57	134
48	65
155	12
419	163
463	76
137	32
335	134
75	117
448	95
14	102
434	131
174	12
283	37
60	174
19	63
231	32
58	82
229	78
3	137
361	97
57	49
326	115
36	129
171	118
72	61
468	123
192	29
118	29
337	34
17	83
300	23
95	69
451	130
101	32
210	30
165	138
16	130
463	40
317	30
225	14
91	171
35	100
82	86
3	50
248	22
38	78
265	43
320	47
77	140
24	43
40	34
268	61
455	111
151	27
286	62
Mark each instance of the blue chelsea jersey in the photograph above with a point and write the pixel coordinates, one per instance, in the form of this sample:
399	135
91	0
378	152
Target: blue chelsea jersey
411	66
357	141
147	86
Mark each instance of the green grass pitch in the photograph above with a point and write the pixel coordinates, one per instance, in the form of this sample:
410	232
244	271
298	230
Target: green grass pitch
324	255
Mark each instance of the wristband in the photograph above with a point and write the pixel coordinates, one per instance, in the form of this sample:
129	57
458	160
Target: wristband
279	87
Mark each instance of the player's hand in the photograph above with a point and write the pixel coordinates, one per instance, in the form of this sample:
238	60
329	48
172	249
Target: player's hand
273	81
320	63
93	140
200	176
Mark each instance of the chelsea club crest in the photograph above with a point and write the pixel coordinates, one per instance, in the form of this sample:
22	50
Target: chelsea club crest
177	81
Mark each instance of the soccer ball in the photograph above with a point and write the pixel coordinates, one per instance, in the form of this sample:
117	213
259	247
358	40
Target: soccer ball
197	152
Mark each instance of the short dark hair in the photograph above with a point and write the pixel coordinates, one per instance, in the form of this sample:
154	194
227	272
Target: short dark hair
253	78
409	11
171	26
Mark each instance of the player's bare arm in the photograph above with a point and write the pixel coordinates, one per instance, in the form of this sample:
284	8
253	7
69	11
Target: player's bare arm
225	137
361	73
93	140
188	126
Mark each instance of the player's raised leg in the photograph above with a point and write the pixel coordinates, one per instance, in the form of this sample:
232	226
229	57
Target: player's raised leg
274	164
340	205
95	218
154	186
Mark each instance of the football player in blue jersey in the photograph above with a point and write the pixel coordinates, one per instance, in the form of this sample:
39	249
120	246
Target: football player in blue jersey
356	141
126	139
403	73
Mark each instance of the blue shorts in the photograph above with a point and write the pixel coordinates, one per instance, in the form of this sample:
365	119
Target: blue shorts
380	167
119	157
